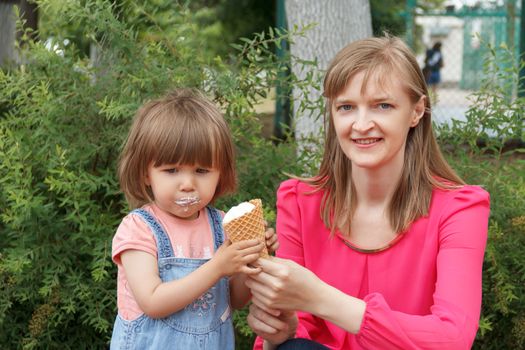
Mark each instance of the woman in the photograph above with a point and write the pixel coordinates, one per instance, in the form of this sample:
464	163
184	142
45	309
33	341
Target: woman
383	249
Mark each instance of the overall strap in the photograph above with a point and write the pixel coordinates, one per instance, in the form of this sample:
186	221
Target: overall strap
163	242
216	225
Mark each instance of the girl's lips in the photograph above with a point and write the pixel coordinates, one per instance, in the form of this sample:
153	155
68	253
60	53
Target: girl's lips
187	201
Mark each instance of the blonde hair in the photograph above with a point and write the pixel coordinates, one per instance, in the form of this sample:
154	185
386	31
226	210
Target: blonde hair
424	164
183	127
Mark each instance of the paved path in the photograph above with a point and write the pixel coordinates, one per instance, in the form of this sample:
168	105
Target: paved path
452	104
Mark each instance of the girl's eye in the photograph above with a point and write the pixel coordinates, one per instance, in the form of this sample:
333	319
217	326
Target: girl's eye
344	108
171	170
202	171
384	106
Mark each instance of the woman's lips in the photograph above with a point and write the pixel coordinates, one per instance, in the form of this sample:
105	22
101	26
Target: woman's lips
367	141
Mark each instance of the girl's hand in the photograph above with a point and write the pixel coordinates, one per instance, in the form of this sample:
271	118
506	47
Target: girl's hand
284	285
272	244
232	258
274	328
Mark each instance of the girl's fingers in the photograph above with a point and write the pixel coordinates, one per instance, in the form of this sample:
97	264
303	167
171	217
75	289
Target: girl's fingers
241	245
274	246
270	233
256	249
251	258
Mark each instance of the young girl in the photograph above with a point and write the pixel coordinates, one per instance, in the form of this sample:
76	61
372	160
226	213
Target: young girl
383	249
173	260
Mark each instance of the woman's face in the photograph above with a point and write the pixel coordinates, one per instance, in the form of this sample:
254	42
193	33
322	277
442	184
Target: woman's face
372	126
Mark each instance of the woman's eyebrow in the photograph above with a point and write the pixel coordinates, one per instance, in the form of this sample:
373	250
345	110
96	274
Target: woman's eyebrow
382	98
343	100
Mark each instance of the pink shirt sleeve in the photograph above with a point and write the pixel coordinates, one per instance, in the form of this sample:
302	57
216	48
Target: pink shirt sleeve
452	321
133	233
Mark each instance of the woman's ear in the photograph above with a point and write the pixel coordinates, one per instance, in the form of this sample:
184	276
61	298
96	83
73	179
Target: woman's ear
419	111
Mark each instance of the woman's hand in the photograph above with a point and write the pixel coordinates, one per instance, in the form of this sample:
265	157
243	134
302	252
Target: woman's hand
274	328
283	285
287	286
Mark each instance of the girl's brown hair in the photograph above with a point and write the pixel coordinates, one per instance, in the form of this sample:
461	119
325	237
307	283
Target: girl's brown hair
424	165
183	127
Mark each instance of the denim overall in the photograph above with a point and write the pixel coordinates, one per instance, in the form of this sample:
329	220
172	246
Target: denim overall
204	324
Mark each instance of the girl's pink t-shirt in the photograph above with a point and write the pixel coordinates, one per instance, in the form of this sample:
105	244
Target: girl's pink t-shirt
189	239
423	292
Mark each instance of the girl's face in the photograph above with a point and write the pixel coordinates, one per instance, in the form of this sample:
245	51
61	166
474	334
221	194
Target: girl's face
372	126
182	190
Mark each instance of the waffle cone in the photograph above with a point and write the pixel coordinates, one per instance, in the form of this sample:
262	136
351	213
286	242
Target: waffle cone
248	226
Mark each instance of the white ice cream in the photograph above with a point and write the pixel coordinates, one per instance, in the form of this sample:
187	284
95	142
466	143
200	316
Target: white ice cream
238	211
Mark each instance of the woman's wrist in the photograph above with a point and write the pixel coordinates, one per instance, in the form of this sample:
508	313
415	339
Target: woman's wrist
339	308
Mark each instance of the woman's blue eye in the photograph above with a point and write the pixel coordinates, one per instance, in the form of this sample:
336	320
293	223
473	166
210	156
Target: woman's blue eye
345	108
385	106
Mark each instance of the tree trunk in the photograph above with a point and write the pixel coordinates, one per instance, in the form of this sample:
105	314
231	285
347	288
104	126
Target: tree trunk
339	22
7	33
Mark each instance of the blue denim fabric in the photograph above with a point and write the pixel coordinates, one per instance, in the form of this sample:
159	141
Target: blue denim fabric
204	324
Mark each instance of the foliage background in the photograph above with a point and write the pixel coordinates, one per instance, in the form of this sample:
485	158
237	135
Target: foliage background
64	116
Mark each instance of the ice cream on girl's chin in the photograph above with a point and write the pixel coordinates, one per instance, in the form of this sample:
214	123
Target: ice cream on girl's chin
186	202
237	211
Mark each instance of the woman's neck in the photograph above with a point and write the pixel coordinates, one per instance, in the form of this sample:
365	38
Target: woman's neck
376	187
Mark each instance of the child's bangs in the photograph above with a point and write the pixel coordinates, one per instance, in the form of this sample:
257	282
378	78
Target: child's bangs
188	144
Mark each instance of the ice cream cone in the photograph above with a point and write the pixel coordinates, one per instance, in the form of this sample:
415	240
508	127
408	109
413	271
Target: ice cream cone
248	226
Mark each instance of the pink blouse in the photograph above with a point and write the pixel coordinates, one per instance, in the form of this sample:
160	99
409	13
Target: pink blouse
423	292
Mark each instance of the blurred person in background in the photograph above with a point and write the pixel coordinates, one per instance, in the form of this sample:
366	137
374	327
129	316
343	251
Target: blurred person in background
433	65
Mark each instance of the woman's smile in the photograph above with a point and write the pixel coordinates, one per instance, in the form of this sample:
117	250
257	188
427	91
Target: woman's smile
363	142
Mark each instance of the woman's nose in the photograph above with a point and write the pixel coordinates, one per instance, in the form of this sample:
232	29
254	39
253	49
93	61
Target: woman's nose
363	122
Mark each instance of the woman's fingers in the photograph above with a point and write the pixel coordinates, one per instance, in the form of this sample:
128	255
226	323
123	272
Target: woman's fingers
273	266
262	283
262	303
265	321
250	270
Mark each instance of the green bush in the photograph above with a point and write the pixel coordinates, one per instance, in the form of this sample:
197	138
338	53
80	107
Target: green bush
63	118
485	150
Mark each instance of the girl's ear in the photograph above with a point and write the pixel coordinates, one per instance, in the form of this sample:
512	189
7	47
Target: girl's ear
146	180
419	111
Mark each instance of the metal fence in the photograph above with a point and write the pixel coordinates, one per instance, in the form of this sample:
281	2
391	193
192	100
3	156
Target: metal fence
465	29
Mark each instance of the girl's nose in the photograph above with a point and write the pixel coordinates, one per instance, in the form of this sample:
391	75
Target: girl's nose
186	184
